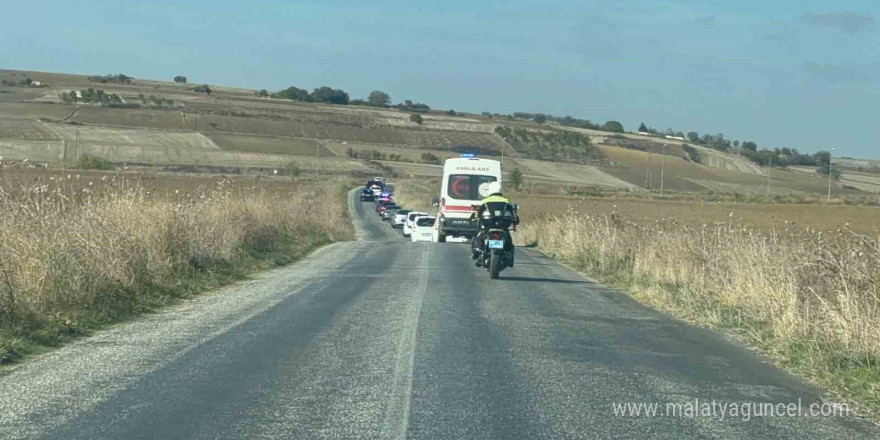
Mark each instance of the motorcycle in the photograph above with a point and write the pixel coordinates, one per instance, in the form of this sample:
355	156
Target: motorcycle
497	251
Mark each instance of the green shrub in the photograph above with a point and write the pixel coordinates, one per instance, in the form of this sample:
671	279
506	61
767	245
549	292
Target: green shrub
87	162
292	170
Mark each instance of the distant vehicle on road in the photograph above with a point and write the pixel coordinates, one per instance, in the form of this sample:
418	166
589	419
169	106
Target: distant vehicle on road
459	191
382	203
410	218
387	209
399	218
375	186
380	199
367	195
390	212
423	229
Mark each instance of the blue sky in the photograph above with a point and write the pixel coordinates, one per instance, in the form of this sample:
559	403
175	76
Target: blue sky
784	73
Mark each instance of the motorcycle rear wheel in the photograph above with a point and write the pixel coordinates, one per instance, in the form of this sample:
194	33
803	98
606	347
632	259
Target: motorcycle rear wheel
494	265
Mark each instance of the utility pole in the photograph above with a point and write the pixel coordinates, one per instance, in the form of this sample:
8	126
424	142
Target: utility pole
770	167
77	145
648	171
829	173
502	155
662	168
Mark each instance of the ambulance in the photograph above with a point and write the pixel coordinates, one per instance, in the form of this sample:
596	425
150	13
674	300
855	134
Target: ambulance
462	178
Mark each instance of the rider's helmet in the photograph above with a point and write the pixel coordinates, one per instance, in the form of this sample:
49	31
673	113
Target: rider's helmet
493	188
483	190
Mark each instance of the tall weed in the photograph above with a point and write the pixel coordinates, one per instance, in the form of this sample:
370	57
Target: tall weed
810	298
75	258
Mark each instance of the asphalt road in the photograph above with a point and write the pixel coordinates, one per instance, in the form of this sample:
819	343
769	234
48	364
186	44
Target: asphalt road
383	338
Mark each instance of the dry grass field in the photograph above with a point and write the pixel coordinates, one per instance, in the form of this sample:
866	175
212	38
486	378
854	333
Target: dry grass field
682	175
332	128
34	110
269	132
808	298
864	181
407	153
25	129
569	173
674	147
868	182
271	145
759	216
81	250
91	134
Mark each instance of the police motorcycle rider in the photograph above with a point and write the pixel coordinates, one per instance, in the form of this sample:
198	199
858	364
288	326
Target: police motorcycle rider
493	201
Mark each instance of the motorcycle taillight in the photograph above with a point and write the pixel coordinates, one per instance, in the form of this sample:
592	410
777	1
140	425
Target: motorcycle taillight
496	236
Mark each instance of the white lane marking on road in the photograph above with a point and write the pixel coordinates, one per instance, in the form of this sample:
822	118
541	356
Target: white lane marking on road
396	419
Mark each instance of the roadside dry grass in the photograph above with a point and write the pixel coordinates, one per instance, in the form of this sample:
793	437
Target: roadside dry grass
809	298
696	213
78	254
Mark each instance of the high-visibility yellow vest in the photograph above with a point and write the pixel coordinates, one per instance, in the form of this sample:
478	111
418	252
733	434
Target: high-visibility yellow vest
495	198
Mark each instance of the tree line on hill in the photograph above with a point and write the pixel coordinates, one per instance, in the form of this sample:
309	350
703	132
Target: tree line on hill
91	96
154	101
117	79
380	99
716	141
329	95
102	98
568	121
373	155
782	157
552	145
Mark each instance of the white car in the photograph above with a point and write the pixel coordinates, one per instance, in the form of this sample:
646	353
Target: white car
423	229
399	218
408	224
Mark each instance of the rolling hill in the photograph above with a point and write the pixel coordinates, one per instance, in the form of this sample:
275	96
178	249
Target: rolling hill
233	127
